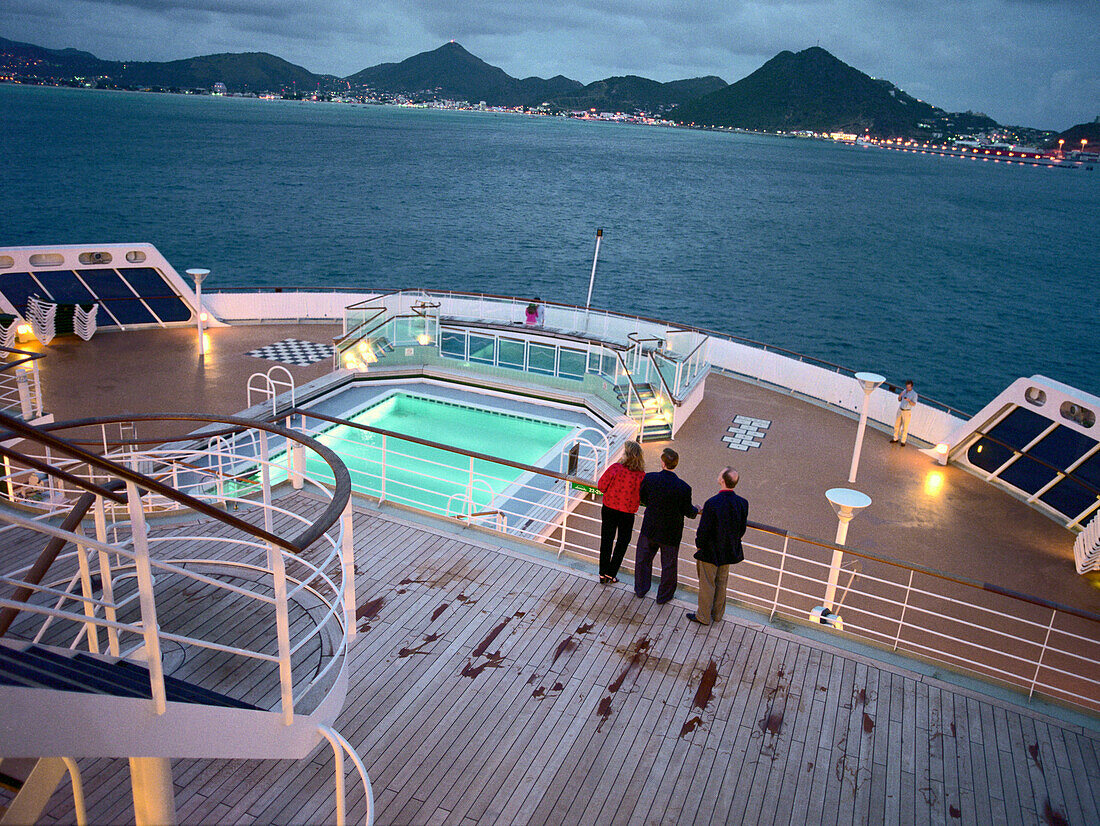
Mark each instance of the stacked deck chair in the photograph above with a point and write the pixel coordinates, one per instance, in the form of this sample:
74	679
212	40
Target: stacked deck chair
84	320
49	319
8	325
42	316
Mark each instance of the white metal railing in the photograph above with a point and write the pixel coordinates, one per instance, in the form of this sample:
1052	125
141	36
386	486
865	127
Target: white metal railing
267	387
20	384
693	348
1025	642
116	583
106	585
377	316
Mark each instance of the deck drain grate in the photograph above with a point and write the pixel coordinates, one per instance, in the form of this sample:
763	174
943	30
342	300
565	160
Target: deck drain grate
745	432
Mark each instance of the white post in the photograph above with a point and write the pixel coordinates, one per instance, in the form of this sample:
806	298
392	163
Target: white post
199	275
282	631
470	490
26	408
347	553
150	629
154	796
8	479
105	575
868	381
297	455
36	390
382	491
86	590
265	481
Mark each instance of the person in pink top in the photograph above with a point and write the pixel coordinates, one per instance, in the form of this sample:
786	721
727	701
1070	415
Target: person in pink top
620	485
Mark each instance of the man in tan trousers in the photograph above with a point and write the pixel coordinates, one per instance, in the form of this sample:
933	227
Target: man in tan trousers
718	542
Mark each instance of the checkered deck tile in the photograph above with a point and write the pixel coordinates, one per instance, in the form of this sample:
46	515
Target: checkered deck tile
293	351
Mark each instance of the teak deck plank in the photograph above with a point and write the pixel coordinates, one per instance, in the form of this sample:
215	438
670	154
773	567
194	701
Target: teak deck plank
582	705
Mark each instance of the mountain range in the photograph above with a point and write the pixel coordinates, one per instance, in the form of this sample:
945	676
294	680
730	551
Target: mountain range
809	90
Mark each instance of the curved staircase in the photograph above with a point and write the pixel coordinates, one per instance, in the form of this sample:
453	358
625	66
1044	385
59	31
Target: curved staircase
184	614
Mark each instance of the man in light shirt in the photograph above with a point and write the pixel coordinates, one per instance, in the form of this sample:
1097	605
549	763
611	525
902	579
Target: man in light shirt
908	400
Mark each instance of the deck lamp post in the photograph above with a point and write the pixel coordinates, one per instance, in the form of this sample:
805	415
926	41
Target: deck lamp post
199	274
847	503
868	381
1061	141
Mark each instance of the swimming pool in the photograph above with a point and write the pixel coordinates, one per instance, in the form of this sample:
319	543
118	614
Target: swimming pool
430	478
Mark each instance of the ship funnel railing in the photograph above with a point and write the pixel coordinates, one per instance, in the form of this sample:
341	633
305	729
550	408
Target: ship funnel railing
112	584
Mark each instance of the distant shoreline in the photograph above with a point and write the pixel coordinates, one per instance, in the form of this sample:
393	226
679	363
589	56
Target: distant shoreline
1009	155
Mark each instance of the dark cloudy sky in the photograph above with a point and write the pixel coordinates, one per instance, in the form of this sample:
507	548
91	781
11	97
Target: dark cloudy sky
1029	62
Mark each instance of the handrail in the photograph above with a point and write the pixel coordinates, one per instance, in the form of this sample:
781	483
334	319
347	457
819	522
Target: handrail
634	387
339	747
927	400
957	579
337	342
37	464
694	349
760	526
28	355
48	555
341	479
664	383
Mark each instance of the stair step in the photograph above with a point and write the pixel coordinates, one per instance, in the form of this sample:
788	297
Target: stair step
97	680
38	667
184	692
656	433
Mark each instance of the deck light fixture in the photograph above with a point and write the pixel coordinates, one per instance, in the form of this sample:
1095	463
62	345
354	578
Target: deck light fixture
868	381
847	503
200	316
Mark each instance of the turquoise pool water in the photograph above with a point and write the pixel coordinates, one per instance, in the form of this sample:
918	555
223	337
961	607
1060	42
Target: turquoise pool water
428	477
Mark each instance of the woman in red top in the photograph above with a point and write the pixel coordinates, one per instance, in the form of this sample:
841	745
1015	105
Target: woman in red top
620	485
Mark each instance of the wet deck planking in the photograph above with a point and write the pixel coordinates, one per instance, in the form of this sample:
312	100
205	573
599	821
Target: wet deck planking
628	723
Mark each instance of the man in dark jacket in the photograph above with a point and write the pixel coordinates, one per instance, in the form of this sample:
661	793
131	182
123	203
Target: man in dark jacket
667	500
718	540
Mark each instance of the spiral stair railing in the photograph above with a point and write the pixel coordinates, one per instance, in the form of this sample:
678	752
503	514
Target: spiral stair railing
100	593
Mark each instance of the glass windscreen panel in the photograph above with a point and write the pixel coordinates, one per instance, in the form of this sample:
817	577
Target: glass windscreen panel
540	359
17	287
572	363
482	349
1028	475
452	344
1062	447
512	353
988	455
65	287
1069	497
1019	428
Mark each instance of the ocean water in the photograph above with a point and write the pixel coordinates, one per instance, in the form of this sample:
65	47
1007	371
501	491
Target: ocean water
962	275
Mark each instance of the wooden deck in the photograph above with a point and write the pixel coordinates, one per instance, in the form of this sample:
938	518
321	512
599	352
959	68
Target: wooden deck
491	687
